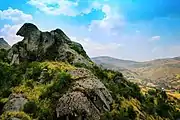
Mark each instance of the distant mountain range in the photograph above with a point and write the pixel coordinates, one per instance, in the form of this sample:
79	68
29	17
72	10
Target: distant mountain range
4	44
160	72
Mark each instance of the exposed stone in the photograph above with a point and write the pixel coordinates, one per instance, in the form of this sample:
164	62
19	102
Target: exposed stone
40	46
15	103
14	119
87	99
44	75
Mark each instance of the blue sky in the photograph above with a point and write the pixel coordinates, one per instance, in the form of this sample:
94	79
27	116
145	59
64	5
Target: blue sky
127	29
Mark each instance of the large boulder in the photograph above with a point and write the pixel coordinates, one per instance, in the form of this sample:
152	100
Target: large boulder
15	103
87	99
40	46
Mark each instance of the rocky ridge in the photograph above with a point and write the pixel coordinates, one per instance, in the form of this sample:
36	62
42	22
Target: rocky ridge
86	98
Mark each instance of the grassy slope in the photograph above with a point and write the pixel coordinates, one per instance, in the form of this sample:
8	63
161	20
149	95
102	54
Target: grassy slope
129	100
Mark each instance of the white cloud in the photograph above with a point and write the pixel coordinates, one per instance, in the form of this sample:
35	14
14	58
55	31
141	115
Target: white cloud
62	7
95	49
15	15
94	5
109	23
155	38
8	32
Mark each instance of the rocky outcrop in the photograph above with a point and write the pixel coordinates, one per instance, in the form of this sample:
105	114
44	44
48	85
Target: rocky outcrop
40	46
87	99
4	44
15	103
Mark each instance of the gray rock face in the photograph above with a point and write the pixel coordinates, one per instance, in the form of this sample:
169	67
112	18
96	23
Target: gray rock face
15	103
39	46
14	119
87	99
4	44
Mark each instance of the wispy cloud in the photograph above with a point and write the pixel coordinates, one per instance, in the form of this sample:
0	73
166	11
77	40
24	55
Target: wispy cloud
15	15
155	38
8	32
18	17
94	48
110	22
62	7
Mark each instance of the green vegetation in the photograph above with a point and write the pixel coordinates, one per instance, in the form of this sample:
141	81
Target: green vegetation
155	104
43	83
42	96
129	101
3	55
30	107
20	115
78	48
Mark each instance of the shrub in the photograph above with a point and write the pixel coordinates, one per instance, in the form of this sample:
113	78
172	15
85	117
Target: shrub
60	85
30	107
131	113
33	71
152	92
3	55
45	114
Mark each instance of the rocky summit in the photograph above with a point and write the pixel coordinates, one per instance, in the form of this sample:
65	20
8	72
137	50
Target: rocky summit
40	46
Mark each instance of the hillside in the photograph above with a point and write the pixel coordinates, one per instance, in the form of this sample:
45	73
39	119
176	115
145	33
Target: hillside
4	44
160	73
46	76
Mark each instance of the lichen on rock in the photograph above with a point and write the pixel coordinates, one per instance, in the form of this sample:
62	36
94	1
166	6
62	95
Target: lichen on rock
15	102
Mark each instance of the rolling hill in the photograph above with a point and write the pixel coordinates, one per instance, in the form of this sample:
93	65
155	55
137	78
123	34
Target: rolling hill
156	73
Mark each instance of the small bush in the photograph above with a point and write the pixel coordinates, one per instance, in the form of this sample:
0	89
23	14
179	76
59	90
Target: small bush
3	55
60	85
45	114
30	107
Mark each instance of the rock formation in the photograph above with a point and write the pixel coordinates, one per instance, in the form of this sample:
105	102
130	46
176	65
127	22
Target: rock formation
15	103
39	46
87	97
